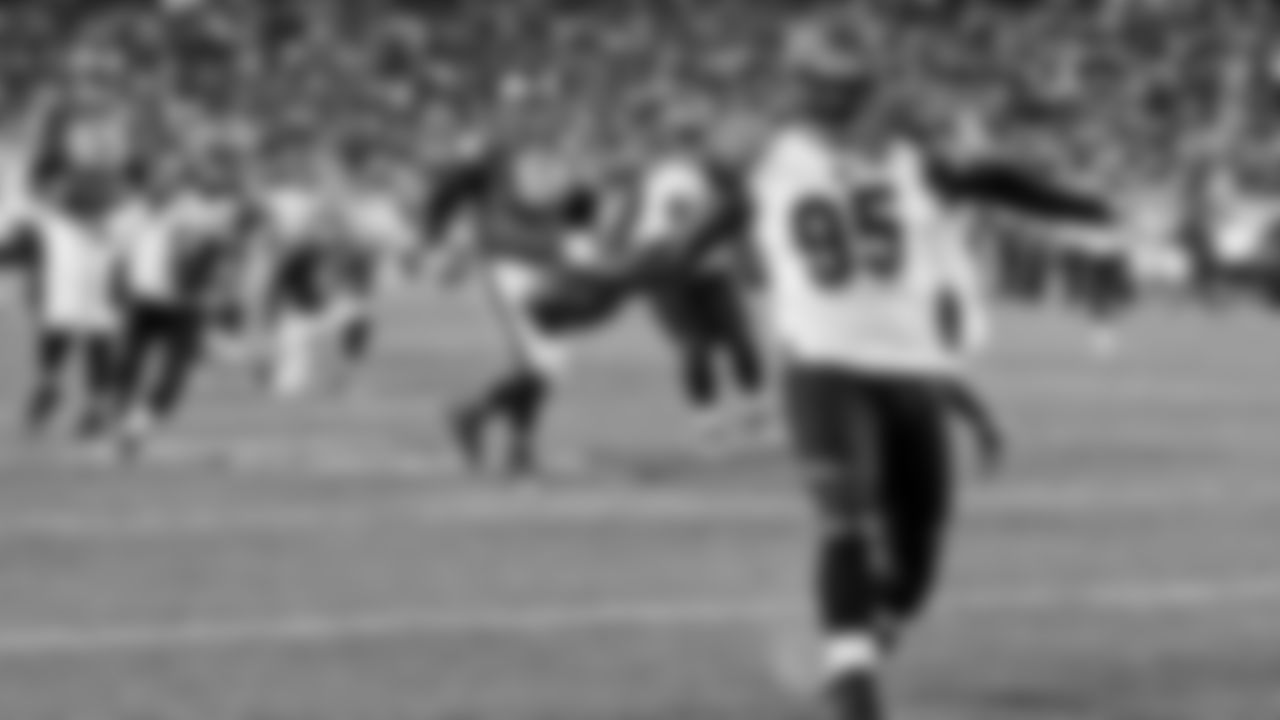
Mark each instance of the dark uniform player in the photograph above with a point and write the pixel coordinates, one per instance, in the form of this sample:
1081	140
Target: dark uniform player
867	292
176	248
701	307
537	256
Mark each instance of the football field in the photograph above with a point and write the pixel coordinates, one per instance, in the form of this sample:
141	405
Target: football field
326	560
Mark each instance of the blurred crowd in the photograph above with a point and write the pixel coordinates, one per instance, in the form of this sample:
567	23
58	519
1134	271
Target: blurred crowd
1164	105
1110	86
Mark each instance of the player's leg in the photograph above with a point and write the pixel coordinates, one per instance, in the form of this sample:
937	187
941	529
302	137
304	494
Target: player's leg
700	383
52	347
98	381
354	315
178	359
251	313
918	490
731	325
297	304
675	307
230	321
746	358
294	337
519	397
143	331
356	333
835	434
1107	299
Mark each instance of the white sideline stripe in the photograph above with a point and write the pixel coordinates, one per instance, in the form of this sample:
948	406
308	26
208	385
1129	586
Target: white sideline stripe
311	629
559	503
328	459
465	509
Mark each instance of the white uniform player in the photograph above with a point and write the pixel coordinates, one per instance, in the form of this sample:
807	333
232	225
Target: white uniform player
865	293
875	306
76	289
862	259
297	220
77	310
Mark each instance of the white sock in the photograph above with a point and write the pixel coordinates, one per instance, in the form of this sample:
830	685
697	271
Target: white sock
850	653
293	362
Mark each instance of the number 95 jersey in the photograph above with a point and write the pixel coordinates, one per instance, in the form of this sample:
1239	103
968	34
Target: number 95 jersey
865	268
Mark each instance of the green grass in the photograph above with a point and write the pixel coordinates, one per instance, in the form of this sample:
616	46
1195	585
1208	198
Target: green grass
1123	569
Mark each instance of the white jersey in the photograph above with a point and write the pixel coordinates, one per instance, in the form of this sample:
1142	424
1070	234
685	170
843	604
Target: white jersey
78	271
149	248
201	216
674	193
378	220
294	213
859	256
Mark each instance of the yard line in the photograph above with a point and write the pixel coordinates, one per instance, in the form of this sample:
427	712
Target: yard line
306	628
462	506
535	506
331	458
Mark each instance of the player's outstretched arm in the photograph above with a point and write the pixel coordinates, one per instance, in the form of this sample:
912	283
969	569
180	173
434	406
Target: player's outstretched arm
456	189
967	404
1017	188
459	189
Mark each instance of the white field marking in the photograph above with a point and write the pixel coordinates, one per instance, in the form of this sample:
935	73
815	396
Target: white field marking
308	460
573	502
305	628
540	508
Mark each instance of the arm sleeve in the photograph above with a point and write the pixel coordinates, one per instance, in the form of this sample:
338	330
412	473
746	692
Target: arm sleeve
730	224
457	187
1017	188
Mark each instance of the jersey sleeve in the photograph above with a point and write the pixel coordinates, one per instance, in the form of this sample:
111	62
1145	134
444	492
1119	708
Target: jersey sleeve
1016	188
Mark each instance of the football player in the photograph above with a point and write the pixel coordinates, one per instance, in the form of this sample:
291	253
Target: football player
65	250
301	279
871	307
533	240
176	242
701	307
379	235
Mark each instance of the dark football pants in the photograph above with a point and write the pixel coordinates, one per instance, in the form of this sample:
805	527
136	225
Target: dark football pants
876	449
90	356
704	314
1110	286
161	350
